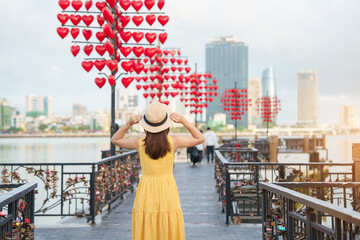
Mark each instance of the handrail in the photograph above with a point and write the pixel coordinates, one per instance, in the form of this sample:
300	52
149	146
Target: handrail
320	205
15	193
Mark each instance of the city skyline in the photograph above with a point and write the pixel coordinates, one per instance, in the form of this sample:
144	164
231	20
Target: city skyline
272	41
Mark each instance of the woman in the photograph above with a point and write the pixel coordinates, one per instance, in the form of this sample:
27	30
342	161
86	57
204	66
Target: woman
157	212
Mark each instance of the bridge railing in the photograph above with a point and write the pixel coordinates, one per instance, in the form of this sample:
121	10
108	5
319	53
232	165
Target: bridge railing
290	214
17	211
82	189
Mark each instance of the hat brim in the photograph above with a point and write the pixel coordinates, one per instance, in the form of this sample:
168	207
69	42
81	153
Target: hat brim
157	129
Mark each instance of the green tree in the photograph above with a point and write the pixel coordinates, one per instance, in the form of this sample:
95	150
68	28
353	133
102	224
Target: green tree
15	130
99	128
42	127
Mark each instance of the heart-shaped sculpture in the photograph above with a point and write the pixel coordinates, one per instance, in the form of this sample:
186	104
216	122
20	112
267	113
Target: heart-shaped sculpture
173	69
172	60
163	37
75	32
64	4
108	31
150	52
125	36
125	51
124	20
125	4
108	15
145	60
100	5
149	4
63	32
159	94
152	95
137	36
126	81
75	19
137	5
75	50
161	4
145	95
157	85
100	36
173	94
63	18
117	56
150	19
76	4
138	87
111	80
138	51
99	64
111	3
100	20
137	20
152	78
109	48
112	64
179	61
163	19
87	34
172	52
167	94
87	19
127	65
180	69
215	81
88	49
150	37
87	65
100	82
173	78
146	87
138	68
166	52
88	4
188	69
165	60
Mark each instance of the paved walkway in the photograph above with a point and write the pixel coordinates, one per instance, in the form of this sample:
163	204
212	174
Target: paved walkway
199	201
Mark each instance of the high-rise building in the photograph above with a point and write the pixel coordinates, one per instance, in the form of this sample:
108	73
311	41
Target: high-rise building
5	114
39	105
254	93
227	61
127	98
269	85
78	110
347	116
307	105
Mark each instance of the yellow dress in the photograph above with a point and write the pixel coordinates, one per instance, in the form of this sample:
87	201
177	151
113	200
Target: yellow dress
157	212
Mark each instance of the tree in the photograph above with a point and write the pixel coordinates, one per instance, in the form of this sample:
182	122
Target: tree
42	127
99	128
15	130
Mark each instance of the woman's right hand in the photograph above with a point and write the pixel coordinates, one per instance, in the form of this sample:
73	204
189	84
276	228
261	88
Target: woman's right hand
177	118
134	119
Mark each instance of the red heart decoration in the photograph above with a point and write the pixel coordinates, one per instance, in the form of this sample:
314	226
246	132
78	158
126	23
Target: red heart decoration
63	18
150	37
124	20
127	65
165	60
138	68
136	5
166	52
150	52
111	80
163	37
173	69
117	56
173	78
161	4
125	4
108	15
75	19
138	87
88	19
167	94
108	31
137	20
125	36
145	95
109	48
100	64
173	94
166	86
100	36
100	82
145	60
63	32
76	4
87	34
137	36
138	51
64	4
149	4
157	85
172	60
188	69
75	32
126	81
180	69
117	41
87	65
172	52
152	78
112	64
150	19
152	95
100	20
88	4
75	50
163	19
88	49
111	3
179	61
100	5
125	51
146	87
159	94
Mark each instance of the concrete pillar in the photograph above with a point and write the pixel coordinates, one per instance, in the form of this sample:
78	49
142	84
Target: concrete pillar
324	141
356	166
313	147
273	148
306	144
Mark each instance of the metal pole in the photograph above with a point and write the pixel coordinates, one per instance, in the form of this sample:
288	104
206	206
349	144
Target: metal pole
113	126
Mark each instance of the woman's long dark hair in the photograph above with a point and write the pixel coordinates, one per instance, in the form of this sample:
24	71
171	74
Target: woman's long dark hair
157	144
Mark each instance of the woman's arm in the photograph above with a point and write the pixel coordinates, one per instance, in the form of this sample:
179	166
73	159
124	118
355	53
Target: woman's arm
129	143
180	141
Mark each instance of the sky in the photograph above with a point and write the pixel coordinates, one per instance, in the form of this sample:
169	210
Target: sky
323	35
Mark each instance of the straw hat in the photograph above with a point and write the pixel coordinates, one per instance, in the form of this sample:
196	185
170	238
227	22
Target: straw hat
156	117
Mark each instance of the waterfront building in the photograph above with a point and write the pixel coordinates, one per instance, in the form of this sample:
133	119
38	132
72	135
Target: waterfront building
5	115
227	61
38	105
269	86
254	93
347	117
78	110
307	99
